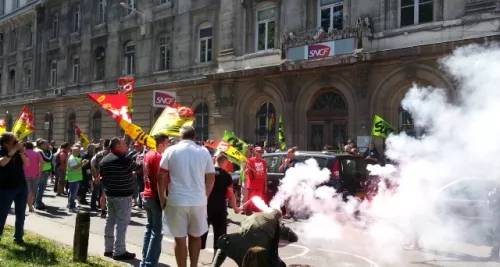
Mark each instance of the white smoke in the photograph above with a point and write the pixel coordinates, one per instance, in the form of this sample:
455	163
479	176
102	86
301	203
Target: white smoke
461	140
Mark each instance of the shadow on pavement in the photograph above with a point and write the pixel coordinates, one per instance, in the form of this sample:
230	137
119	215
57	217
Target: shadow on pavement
136	262
134	223
56	211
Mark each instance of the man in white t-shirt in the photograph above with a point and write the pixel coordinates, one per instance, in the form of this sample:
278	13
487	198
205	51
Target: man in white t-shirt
190	173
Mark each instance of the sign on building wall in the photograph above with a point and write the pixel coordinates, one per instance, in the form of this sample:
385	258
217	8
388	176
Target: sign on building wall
162	99
322	50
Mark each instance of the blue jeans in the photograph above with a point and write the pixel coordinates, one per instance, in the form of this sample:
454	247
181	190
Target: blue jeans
73	192
18	196
44	176
151	247
119	212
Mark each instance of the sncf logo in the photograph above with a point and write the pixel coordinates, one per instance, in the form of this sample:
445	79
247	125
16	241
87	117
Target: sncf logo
319	51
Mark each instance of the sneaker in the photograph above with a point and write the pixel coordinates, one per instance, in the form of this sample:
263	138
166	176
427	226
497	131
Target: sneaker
108	254
41	207
73	210
125	256
103	214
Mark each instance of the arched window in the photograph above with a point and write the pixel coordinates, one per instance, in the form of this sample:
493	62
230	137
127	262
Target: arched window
406	124
100	63
8	121
129	58
206	45
12	81
266	123
201	121
329	101
49	122
70	129
265	27
96	126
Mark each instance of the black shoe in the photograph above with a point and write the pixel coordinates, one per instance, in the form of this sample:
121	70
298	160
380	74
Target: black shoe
20	242
108	254
125	256
84	202
93	208
103	214
41	207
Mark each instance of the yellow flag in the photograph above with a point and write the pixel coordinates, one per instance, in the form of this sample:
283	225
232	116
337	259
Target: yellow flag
83	139
3	127
171	120
135	132
24	124
381	127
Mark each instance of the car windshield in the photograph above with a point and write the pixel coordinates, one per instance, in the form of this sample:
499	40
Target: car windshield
322	161
353	167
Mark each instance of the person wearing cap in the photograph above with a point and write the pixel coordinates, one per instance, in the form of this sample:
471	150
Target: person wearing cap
262	229
256	177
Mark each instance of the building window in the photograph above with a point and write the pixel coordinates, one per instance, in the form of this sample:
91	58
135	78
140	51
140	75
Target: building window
49	119
331	14
132	4
13	40
29	35
75	77
164	53
416	12
27	77
96	125
53	73
1	44
266	123
15	4
55	26
76	19
70	130
161	2
265	28
201	121
12	81
129	58
100	63
101	11
206	43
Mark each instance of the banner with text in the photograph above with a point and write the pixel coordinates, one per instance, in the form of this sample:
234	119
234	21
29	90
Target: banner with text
172	119
381	127
161	99
126	86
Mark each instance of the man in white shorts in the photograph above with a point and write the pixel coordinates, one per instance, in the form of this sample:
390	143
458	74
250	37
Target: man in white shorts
190	173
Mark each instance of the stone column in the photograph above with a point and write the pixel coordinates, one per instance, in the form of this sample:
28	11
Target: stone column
360	73
224	108
226	27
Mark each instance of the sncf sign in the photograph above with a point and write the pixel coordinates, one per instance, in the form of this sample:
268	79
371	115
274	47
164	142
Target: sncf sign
162	99
319	51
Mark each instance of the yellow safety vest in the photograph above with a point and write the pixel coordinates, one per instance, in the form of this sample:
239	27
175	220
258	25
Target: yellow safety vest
74	175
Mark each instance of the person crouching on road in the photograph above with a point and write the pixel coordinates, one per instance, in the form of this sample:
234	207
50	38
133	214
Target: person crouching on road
74	176
256	178
262	229
154	201
216	205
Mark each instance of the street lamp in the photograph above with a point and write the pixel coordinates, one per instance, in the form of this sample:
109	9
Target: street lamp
143	21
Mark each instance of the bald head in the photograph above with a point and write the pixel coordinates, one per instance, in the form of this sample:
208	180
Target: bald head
187	133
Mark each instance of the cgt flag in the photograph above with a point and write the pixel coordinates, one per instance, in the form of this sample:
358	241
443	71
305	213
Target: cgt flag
126	86
172	119
83	139
235	142
24	124
381	127
116	106
281	133
3	126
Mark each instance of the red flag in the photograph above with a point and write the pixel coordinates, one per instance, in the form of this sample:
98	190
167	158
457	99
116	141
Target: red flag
83	139
115	105
126	87
24	124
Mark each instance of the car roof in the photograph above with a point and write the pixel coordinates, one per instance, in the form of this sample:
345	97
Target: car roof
312	153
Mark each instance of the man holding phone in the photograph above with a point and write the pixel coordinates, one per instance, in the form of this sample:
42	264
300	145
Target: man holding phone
155	200
13	186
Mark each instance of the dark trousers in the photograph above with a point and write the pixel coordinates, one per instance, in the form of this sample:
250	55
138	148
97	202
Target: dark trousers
95	199
84	188
218	220
18	196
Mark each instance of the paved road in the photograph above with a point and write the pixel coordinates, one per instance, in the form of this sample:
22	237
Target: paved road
354	248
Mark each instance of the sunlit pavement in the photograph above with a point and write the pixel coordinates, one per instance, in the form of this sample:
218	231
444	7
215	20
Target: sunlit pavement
353	249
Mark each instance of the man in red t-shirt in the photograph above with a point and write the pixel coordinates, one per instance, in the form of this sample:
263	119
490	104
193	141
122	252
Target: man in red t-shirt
155	199
61	167
256	177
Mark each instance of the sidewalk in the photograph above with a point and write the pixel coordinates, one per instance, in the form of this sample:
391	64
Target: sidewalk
64	234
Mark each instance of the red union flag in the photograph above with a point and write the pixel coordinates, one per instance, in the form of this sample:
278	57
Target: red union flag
318	51
115	105
83	139
24	124
126	87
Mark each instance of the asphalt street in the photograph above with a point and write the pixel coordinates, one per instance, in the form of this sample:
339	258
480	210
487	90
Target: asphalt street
355	247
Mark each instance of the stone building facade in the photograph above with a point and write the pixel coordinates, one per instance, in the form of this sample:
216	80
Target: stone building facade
325	66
